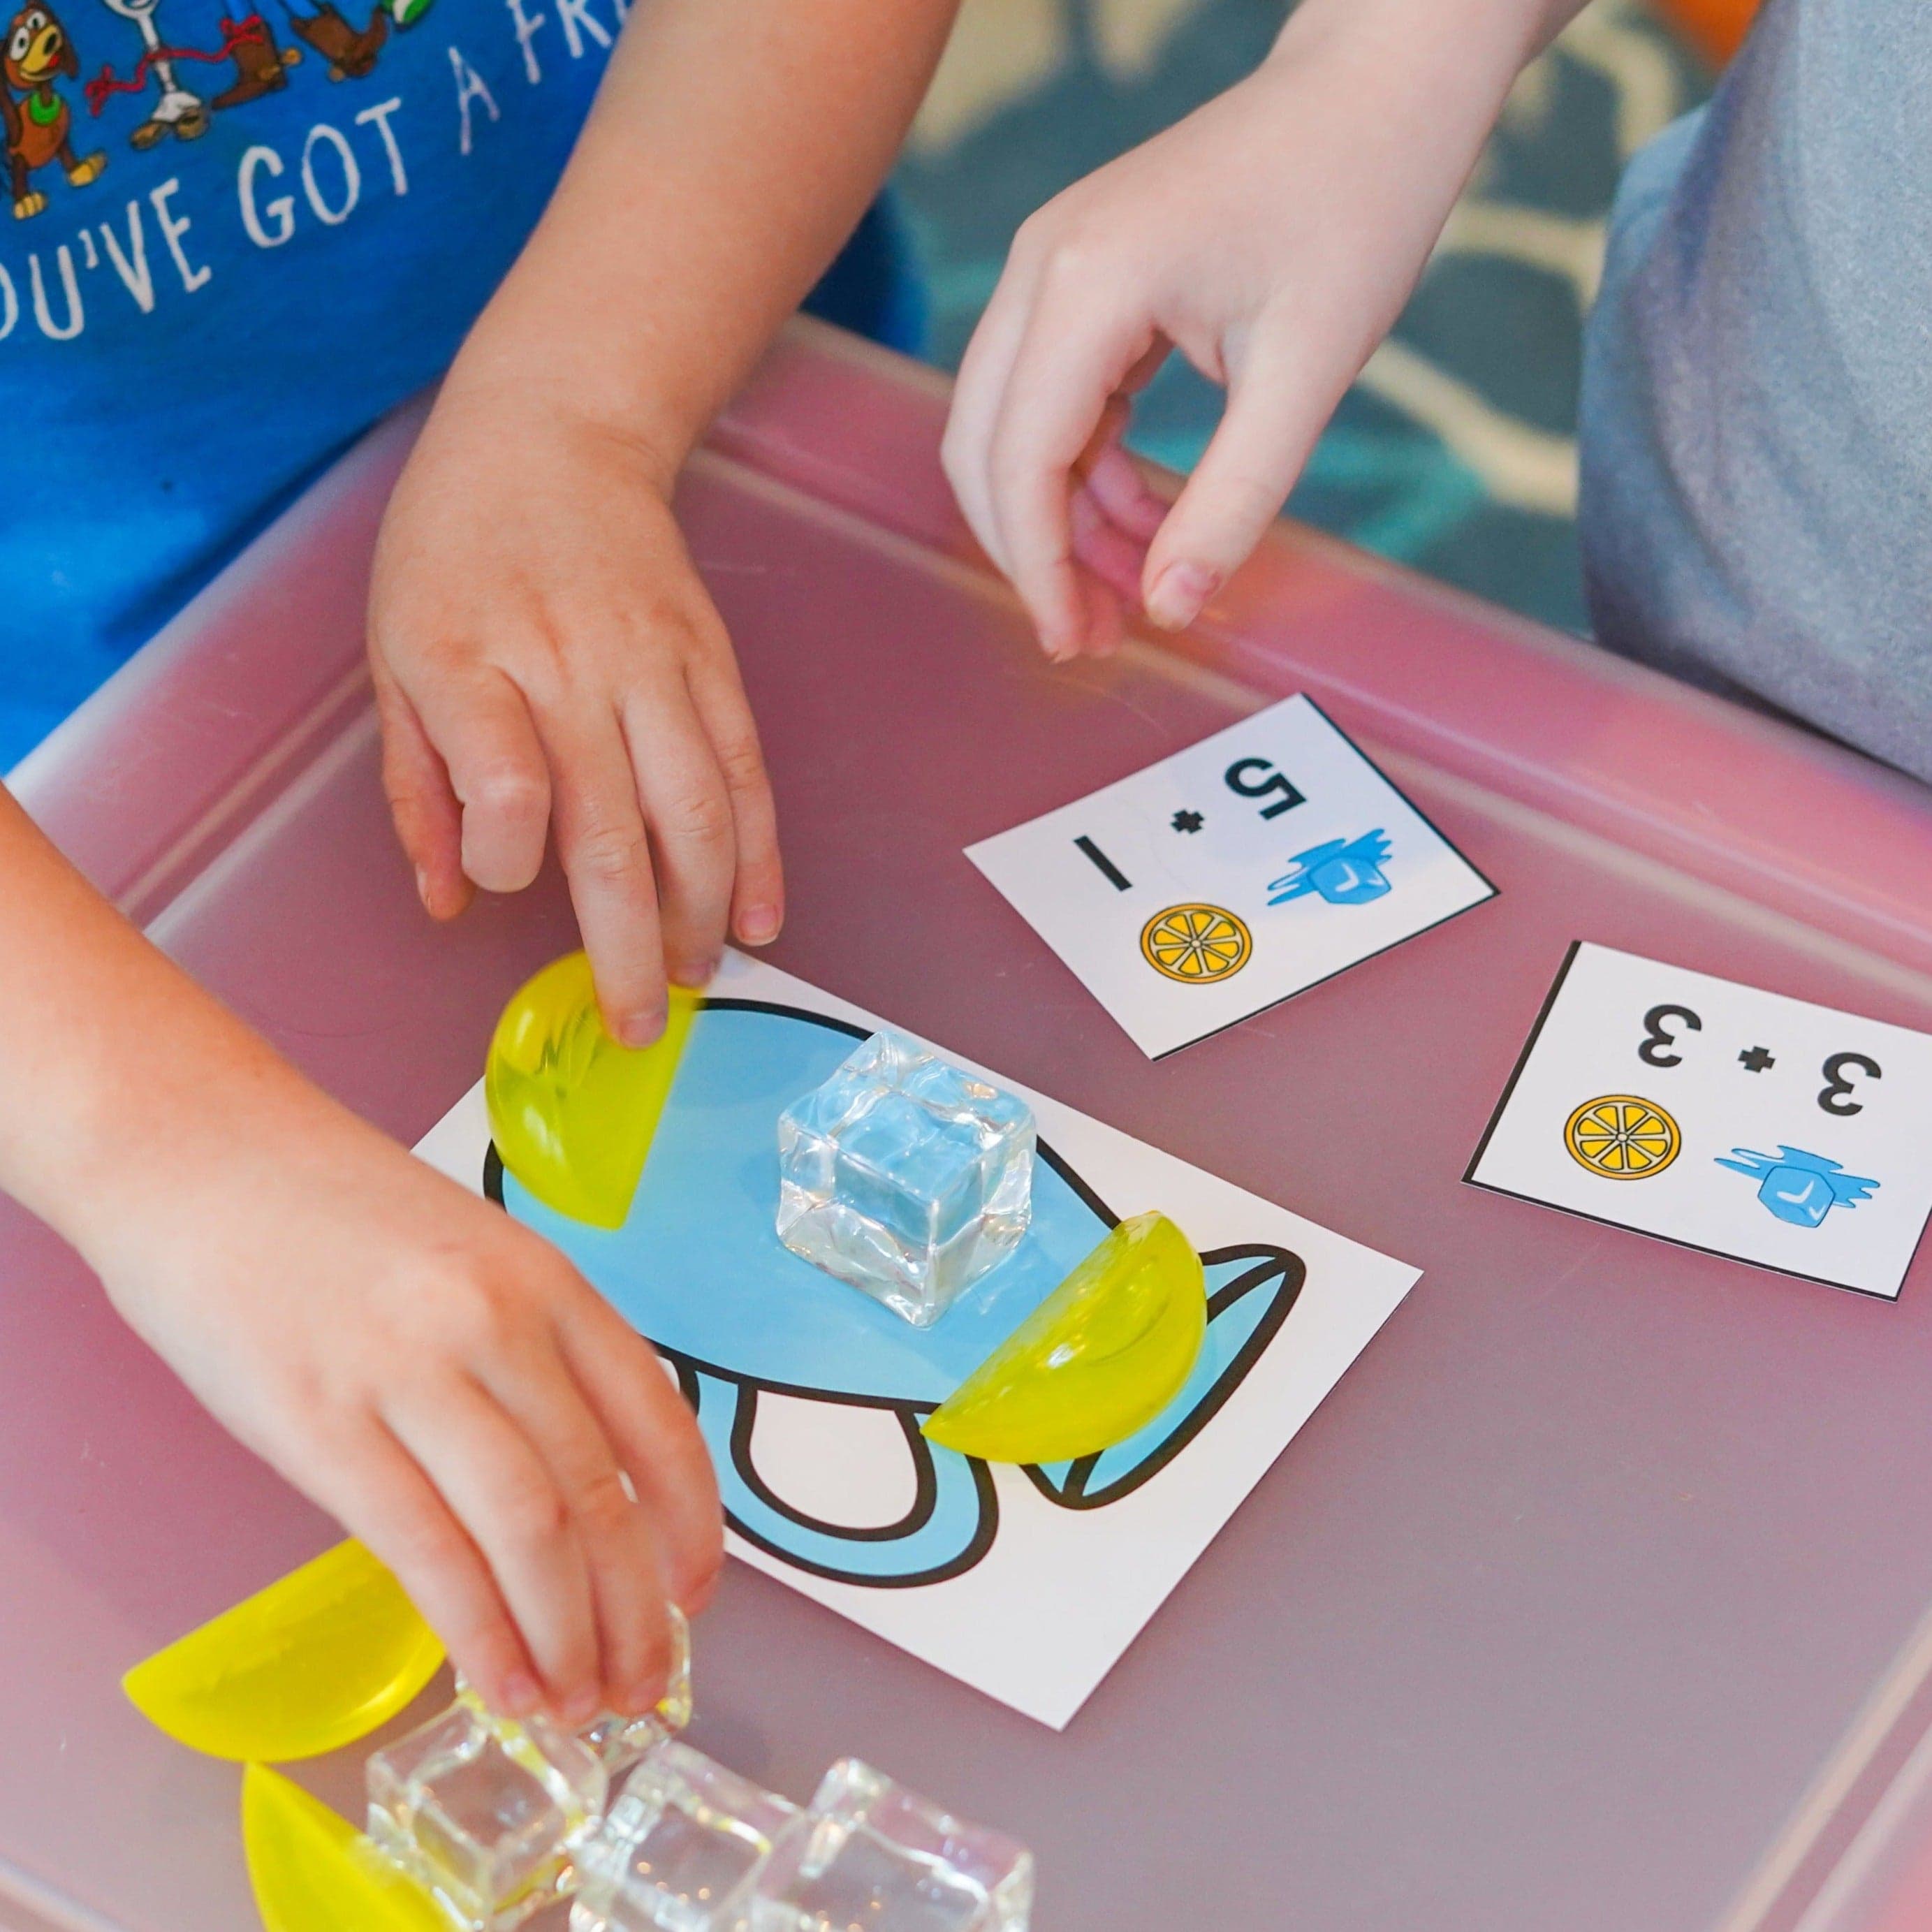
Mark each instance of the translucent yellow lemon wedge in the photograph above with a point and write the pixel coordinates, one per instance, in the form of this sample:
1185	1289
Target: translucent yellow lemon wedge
1099	1358
314	1872
571	1111
313	1662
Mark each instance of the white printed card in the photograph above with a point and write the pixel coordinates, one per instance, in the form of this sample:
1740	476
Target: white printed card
1028	1582
1721	1117
1248	867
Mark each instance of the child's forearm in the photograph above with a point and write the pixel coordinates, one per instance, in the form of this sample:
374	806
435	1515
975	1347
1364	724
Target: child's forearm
733	147
1491	41
435	1376
102	1041
1452	60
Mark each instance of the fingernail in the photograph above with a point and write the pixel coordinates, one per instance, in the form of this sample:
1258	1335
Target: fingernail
1179	592
640	1699
422	888
760	926
640	1030
521	1695
579	1708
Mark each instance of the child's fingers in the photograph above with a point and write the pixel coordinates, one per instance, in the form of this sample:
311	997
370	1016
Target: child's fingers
688	811
1068	369
428	818
500	1490
1113	480
606	855
1101	628
377	1488
1272	419
758	896
984	371
538	1392
656	1438
480	723
1105	552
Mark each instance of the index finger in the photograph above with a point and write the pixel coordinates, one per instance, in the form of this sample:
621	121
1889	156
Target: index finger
977	393
607	858
1067	371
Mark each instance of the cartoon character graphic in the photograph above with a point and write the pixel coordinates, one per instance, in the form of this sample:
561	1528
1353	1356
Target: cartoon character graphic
261	67
1799	1187
351	52
38	124
1344	872
698	1267
176	111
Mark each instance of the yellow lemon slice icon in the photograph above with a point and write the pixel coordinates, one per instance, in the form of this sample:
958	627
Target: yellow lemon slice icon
573	1114
1097	1360
317	1660
1622	1138
1195	943
313	1871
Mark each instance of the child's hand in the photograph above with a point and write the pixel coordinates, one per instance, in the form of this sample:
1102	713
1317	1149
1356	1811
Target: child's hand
545	655
1271	237
435	1376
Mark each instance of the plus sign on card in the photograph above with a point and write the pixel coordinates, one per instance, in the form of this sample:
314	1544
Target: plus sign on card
1247	868
1722	1118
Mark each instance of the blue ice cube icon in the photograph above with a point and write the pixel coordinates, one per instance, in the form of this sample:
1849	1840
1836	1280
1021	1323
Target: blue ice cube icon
1344	872
1799	1187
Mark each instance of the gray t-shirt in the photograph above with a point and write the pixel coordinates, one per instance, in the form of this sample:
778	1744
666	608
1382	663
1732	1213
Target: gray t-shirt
1756	411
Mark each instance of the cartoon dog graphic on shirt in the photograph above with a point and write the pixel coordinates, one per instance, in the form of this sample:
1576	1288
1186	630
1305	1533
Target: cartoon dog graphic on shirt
698	1268
38	124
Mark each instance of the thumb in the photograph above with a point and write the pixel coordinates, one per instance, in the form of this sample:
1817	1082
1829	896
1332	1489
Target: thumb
1236	491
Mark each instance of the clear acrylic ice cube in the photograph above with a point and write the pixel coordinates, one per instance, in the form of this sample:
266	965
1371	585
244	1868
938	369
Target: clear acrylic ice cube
680	1849
876	1856
486	1812
619	1742
905	1176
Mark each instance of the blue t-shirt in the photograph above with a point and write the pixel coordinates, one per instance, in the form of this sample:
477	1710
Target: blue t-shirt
235	243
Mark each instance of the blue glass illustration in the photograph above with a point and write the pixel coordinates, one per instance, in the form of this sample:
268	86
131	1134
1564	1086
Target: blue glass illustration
1799	1187
1344	872
698	1268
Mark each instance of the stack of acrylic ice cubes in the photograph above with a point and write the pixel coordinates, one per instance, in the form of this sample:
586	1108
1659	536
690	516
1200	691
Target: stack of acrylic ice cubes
905	1176
692	1847
497	1818
488	1813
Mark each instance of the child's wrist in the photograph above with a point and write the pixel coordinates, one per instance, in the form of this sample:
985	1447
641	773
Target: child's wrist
1485	43
576	390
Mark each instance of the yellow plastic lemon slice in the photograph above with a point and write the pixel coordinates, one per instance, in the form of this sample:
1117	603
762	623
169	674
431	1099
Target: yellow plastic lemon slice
571	1111
1099	1358
313	1662
314	1872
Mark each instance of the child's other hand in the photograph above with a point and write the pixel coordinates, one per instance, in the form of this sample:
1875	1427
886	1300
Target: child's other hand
1271	237
545	656
435	1376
